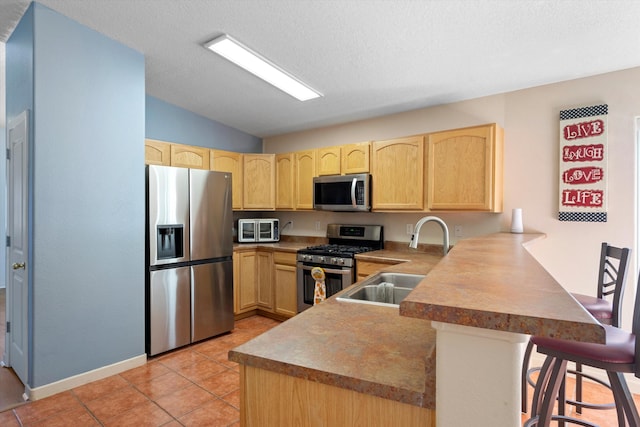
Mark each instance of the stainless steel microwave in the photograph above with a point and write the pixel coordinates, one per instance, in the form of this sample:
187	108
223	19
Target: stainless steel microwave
258	230
342	192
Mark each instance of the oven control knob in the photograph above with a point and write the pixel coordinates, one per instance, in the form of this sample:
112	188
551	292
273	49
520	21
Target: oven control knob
334	260
341	261
321	259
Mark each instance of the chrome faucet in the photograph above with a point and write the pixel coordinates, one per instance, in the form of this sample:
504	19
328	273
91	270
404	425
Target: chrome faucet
416	231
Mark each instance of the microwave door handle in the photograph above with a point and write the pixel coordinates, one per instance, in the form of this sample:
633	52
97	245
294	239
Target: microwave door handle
353	192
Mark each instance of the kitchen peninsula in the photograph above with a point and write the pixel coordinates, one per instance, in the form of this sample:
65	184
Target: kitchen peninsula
461	329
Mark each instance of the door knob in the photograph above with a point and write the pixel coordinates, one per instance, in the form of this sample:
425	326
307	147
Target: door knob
18	265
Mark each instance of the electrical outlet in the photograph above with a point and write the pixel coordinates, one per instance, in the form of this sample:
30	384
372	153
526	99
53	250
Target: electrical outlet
318	225
409	229
457	231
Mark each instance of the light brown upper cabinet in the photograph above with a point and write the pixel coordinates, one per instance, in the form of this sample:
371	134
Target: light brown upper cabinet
329	161
465	169
187	156
305	169
259	182
355	157
344	159
397	169
230	161
285	181
157	152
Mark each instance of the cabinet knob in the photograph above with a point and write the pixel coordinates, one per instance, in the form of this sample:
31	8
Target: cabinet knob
18	265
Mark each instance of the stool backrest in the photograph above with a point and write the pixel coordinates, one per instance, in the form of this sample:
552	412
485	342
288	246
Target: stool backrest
611	278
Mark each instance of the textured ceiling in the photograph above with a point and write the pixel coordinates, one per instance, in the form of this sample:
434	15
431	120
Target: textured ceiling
368	57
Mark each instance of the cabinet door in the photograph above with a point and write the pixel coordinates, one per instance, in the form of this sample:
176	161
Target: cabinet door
245	277
186	156
285	181
365	268
329	161
229	161
397	169
355	158
305	171
259	181
464	172
285	283
157	152
265	285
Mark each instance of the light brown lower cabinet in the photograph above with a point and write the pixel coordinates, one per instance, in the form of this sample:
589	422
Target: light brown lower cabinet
284	283
265	280
264	266
365	268
245	296
272	399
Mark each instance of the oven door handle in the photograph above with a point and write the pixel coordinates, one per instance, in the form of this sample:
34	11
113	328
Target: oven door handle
328	270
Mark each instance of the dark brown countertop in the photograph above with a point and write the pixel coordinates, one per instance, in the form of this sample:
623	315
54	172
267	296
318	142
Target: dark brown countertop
488	282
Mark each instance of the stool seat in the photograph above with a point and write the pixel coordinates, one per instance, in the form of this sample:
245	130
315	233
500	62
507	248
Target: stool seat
619	348
599	308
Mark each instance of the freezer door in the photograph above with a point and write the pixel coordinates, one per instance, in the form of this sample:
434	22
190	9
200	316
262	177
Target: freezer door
167	214
169	309
211	215
212	299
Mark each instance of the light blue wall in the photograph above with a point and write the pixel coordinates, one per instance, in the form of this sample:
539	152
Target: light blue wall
168	122
87	229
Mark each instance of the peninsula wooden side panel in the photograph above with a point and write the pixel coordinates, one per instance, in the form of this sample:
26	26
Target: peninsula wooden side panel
271	399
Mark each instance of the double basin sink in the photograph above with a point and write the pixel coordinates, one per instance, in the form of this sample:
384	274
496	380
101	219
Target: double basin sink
387	289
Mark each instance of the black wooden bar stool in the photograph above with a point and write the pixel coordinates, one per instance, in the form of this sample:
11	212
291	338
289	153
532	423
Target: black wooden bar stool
605	307
620	355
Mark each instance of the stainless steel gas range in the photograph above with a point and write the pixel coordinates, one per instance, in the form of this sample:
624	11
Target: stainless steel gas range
337	259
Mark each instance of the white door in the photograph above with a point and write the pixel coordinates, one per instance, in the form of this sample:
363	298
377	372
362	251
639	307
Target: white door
17	279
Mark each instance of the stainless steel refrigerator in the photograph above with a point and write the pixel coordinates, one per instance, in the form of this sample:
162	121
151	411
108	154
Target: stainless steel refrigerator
189	285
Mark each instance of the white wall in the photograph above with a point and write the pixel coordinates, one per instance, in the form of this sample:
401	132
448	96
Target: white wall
531	121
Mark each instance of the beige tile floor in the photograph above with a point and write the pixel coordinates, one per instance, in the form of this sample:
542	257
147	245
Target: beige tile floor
193	386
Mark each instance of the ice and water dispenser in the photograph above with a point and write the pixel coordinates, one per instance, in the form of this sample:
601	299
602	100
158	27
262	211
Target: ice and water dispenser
170	240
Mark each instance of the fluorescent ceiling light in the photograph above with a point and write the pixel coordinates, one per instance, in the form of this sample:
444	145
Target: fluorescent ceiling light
244	57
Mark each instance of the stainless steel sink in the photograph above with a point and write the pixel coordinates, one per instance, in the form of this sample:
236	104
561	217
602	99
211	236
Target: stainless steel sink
383	289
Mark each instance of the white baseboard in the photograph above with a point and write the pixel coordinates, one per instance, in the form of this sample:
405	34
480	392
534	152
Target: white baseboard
634	383
84	378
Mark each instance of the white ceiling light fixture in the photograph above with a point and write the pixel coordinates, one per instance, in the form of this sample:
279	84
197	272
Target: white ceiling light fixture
251	61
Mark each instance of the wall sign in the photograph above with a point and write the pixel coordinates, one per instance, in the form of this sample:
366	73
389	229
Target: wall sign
583	164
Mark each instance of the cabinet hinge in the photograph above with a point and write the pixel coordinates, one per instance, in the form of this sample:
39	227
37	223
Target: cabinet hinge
8	241
8	154
8	327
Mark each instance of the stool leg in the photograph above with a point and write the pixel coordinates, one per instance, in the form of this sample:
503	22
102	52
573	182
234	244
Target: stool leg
523	376
624	400
579	387
541	384
562	398
556	379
